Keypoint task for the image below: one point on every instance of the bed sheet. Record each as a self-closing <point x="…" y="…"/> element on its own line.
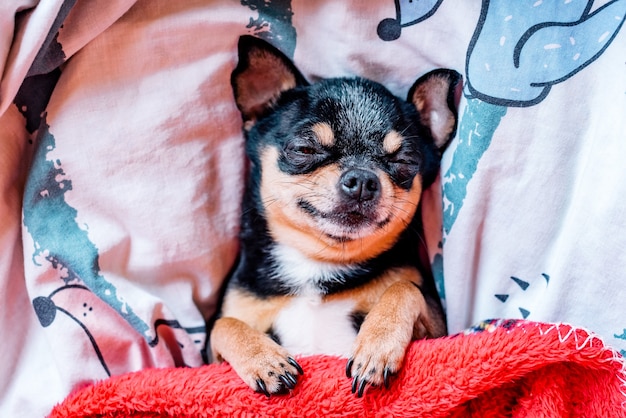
<point x="121" y="167"/>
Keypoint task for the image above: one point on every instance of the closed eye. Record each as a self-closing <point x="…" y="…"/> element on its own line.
<point x="403" y="161"/>
<point x="404" y="158"/>
<point x="301" y="155"/>
<point x="304" y="150"/>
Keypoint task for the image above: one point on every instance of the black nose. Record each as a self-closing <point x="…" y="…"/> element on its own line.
<point x="360" y="185"/>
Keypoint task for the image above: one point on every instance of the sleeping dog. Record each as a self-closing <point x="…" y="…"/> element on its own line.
<point x="330" y="229"/>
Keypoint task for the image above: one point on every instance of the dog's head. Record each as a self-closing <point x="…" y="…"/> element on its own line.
<point x="338" y="166"/>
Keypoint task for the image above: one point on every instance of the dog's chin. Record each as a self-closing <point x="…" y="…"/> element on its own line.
<point x="342" y="233"/>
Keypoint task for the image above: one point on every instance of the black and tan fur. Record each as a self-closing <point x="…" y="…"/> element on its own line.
<point x="330" y="227"/>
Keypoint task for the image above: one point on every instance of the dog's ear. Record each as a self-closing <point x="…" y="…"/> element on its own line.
<point x="436" y="96"/>
<point x="262" y="74"/>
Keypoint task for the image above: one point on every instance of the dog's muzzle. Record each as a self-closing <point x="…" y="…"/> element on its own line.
<point x="359" y="191"/>
<point x="356" y="203"/>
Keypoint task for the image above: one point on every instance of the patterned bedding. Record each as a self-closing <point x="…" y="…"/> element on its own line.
<point x="121" y="167"/>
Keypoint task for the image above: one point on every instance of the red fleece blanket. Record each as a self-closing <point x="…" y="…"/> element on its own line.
<point x="500" y="368"/>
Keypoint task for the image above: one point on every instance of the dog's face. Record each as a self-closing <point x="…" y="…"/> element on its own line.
<point x="339" y="165"/>
<point x="342" y="170"/>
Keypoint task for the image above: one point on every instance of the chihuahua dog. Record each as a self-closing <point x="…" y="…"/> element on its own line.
<point x="330" y="231"/>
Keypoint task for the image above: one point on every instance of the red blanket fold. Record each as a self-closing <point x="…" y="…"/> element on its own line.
<point x="502" y="368"/>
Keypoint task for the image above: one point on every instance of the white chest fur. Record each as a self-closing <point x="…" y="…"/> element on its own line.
<point x="309" y="326"/>
<point x="303" y="275"/>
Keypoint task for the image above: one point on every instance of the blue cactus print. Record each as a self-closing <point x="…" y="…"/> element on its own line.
<point x="529" y="46"/>
<point x="518" y="51"/>
<point x="476" y="129"/>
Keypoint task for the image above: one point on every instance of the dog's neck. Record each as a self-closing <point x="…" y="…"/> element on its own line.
<point x="305" y="276"/>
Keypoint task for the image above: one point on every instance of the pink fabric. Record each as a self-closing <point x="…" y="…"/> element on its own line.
<point x="121" y="168"/>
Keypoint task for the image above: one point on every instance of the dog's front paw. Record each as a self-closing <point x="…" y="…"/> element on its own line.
<point x="374" y="362"/>
<point x="385" y="334"/>
<point x="266" y="367"/>
<point x="261" y="363"/>
<point x="272" y="373"/>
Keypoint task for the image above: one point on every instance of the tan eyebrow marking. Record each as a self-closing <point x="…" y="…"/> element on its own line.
<point x="324" y="134"/>
<point x="392" y="142"/>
